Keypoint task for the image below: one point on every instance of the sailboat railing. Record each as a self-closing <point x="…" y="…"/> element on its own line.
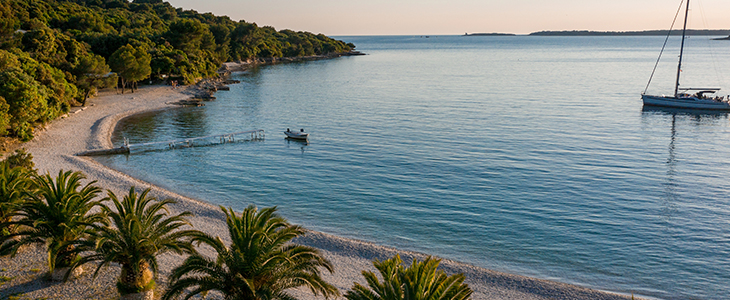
<point x="699" y="89"/>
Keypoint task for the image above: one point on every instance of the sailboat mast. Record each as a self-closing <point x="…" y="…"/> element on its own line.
<point x="681" y="50"/>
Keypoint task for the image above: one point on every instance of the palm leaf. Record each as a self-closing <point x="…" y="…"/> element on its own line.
<point x="58" y="212"/>
<point x="420" y="281"/>
<point x="260" y="263"/>
<point x="141" y="229"/>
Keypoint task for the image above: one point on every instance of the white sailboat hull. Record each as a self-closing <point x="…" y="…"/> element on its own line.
<point x="685" y="102"/>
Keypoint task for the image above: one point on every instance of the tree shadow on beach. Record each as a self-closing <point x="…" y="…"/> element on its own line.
<point x="26" y="283"/>
<point x="36" y="284"/>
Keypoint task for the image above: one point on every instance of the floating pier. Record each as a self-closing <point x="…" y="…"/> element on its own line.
<point x="235" y="137"/>
<point x="251" y="135"/>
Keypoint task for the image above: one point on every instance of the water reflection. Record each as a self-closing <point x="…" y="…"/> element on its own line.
<point x="189" y="123"/>
<point x="302" y="144"/>
<point x="698" y="118"/>
<point x="138" y="128"/>
<point x="696" y="114"/>
<point x="670" y="187"/>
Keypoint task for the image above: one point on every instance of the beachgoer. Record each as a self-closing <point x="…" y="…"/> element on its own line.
<point x="302" y="130"/>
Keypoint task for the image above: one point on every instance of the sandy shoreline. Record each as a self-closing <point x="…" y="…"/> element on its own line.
<point x="56" y="147"/>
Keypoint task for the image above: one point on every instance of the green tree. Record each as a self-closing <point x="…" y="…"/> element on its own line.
<point x="420" y="281"/>
<point x="41" y="42"/>
<point x="187" y="34"/>
<point x="260" y="264"/>
<point x="27" y="101"/>
<point x="34" y="92"/>
<point x="131" y="63"/>
<point x="58" y="213"/>
<point x="143" y="230"/>
<point x="92" y="73"/>
<point x="4" y="116"/>
<point x="22" y="159"/>
<point x="8" y="22"/>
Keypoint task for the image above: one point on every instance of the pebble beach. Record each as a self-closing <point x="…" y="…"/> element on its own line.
<point x="57" y="147"/>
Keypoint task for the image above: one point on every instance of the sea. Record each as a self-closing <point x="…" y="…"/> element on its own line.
<point x="524" y="154"/>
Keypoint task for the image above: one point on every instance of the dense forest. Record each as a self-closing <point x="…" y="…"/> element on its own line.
<point x="55" y="53"/>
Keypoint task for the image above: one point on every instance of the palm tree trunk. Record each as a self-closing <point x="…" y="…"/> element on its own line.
<point x="136" y="284"/>
<point x="60" y="262"/>
<point x="65" y="259"/>
<point x="59" y="273"/>
<point x="146" y="295"/>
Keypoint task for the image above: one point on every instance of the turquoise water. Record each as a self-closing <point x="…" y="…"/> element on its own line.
<point x="530" y="155"/>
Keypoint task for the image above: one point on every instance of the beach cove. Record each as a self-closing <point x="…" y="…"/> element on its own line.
<point x="56" y="147"/>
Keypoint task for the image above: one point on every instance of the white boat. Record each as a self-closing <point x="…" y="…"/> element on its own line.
<point x="300" y="135"/>
<point x="686" y="98"/>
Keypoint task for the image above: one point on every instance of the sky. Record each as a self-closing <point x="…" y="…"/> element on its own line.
<point x="441" y="17"/>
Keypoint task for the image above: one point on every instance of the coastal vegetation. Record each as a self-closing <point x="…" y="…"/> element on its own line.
<point x="55" y="54"/>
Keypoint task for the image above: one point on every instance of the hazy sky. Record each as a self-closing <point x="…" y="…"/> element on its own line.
<point x="420" y="17"/>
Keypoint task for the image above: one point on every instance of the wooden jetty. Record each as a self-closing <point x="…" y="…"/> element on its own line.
<point x="241" y="136"/>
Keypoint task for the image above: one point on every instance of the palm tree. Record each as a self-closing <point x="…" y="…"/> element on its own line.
<point x="14" y="183"/>
<point x="58" y="214"/>
<point x="260" y="264"/>
<point x="420" y="281"/>
<point x="143" y="229"/>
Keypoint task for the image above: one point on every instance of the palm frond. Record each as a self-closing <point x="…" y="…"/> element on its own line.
<point x="419" y="281"/>
<point x="260" y="262"/>
<point x="141" y="231"/>
<point x="60" y="212"/>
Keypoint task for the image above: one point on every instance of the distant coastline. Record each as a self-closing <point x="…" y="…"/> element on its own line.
<point x="489" y="34"/>
<point x="724" y="32"/>
<point x="700" y="32"/>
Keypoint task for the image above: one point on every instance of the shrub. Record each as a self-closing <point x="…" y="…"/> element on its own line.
<point x="22" y="159"/>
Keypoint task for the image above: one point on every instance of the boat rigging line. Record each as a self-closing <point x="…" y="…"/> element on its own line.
<point x="679" y="9"/>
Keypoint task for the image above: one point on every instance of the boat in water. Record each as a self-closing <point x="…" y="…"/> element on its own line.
<point x="686" y="98"/>
<point x="296" y="135"/>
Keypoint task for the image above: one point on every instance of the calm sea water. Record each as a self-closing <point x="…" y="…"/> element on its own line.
<point x="530" y="155"/>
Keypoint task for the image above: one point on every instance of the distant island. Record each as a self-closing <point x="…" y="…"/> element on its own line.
<point x="725" y="32"/>
<point x="489" y="34"/>
<point x="705" y="32"/>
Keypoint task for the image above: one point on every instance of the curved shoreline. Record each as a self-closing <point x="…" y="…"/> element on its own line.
<point x="56" y="148"/>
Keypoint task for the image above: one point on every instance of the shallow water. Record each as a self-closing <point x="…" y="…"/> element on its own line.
<point x="530" y="155"/>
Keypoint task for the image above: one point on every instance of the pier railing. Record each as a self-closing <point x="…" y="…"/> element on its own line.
<point x="241" y="136"/>
<point x="235" y="137"/>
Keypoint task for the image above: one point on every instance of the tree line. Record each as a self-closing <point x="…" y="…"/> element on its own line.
<point x="55" y="54"/>
<point x="80" y="227"/>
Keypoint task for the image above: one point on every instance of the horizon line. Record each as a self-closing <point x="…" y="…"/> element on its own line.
<point x="527" y="34"/>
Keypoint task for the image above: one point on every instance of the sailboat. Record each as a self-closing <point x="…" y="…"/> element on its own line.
<point x="686" y="98"/>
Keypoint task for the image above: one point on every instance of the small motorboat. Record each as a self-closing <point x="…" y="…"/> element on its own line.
<point x="300" y="135"/>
